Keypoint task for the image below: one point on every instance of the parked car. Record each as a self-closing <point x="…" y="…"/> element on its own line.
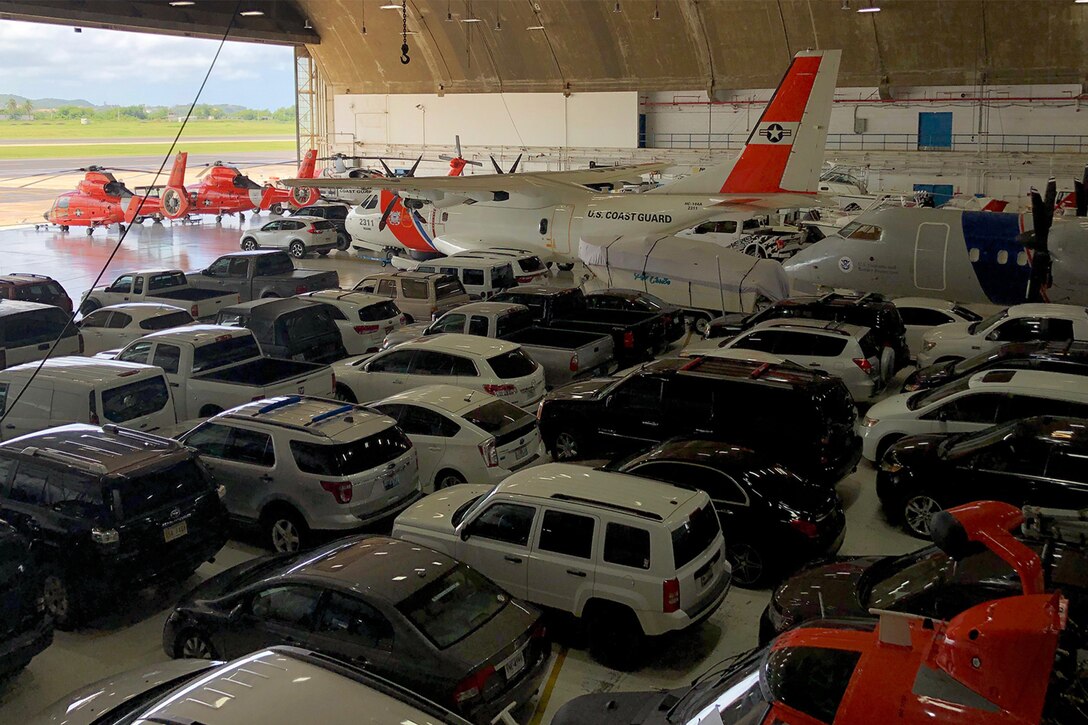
<point x="615" y="298"/>
<point x="34" y="288"/>
<point x="870" y="310"/>
<point x="108" y="328"/>
<point x="290" y="329"/>
<point x="211" y="368"/>
<point x="419" y="295"/>
<point x="850" y="353"/>
<point x="528" y="267"/>
<point x="29" y="330"/>
<point x="635" y="335"/>
<point x="365" y="320"/>
<point x="299" y="235"/>
<point x="971" y="404"/>
<point x="921" y="314"/>
<point x="25" y="630"/>
<point x="741" y="401"/>
<point x="1020" y="323"/>
<point x="62" y="390"/>
<point x="262" y="273"/>
<point x="496" y="367"/>
<point x="464" y="435"/>
<point x="1054" y="357"/>
<point x="926" y="582"/>
<point x="162" y="286"/>
<point x="294" y="466"/>
<point x="330" y="212"/>
<point x="564" y="354"/>
<point x="110" y="511"/>
<point x="443" y="631"/>
<point x="772" y="519"/>
<point x="482" y="275"/>
<point x="290" y="682"/>
<point x="1041" y="461"/>
<point x="629" y="571"/>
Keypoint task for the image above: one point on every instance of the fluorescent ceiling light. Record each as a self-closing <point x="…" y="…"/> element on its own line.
<point x="869" y="10"/>
<point x="471" y="20"/>
<point x="180" y="3"/>
<point x="390" y="7"/>
<point x="251" y="13"/>
<point x="535" y="27"/>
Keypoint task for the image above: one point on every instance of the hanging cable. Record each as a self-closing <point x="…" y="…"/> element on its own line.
<point x="71" y="320"/>
<point x="404" y="33"/>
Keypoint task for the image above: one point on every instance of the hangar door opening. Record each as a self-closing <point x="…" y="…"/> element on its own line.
<point x="930" y="256"/>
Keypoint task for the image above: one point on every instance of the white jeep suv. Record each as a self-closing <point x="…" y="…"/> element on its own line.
<point x="631" y="556"/>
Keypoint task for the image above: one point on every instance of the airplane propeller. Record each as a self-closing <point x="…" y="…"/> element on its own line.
<point x="513" y="167"/>
<point x="387" y="211"/>
<point x="1042" y="215"/>
<point x="459" y="158"/>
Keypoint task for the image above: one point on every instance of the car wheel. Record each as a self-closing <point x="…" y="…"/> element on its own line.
<point x="446" y="478"/>
<point x="249" y="244"/>
<point x="917" y="512"/>
<point x="615" y="636"/>
<point x="323" y="252"/>
<point x="60" y="601"/>
<point x="285" y="531"/>
<point x="565" y="266"/>
<point x="700" y="324"/>
<point x="343" y="241"/>
<point x="297" y="249"/>
<point x="344" y="393"/>
<point x="209" y="410"/>
<point x="194" y="645"/>
<point x="408" y="319"/>
<point x="882" y="447"/>
<point x="566" y="447"/>
<point x="749" y="564"/>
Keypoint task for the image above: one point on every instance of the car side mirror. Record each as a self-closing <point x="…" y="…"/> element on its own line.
<point x="208" y="272"/>
<point x="464" y="534"/>
<point x="942" y="415"/>
<point x="993" y="336"/>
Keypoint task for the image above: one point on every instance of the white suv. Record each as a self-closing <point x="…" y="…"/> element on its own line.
<point x="293" y="465"/>
<point x="464" y="435"/>
<point x="496" y="367"/>
<point x="632" y="556"/>
<point x="1020" y="323"/>
<point x="299" y="235"/>
<point x="365" y="318"/>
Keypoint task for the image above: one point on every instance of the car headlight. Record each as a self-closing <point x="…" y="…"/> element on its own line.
<point x="891" y="466"/>
<point x="928" y="345"/>
<point x="870" y="422"/>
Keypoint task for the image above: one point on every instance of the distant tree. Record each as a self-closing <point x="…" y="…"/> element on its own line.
<point x="286" y="114"/>
<point x="13" y="108"/>
<point x="159" y="114"/>
<point x="28" y="108"/>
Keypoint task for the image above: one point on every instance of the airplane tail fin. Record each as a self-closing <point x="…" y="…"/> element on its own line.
<point x="174" y="200"/>
<point x="785" y="150"/>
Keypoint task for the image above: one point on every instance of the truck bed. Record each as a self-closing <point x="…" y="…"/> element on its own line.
<point x="261" y="372"/>
<point x="553" y="337"/>
<point x="192" y="294"/>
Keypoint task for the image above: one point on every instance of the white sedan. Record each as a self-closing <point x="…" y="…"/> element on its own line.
<point x="365" y="319"/>
<point x="921" y="314"/>
<point x="496" y="367"/>
<point x="464" y="435"/>
<point x="299" y="235"/>
<point x="112" y="327"/>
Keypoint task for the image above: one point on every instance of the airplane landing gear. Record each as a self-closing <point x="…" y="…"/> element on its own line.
<point x="219" y="219"/>
<point x="90" y="231"/>
<point x="242" y="217"/>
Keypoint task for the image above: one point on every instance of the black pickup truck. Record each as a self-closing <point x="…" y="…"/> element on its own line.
<point x="636" y="335"/>
<point x="261" y="274"/>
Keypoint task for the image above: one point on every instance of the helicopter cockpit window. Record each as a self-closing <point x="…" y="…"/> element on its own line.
<point x="241" y="181"/>
<point x="864" y="232"/>
<point x="116" y="188"/>
<point x="372" y="202"/>
<point x="63" y="202"/>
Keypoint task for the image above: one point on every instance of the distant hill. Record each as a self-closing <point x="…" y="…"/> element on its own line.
<point x="46" y="102"/>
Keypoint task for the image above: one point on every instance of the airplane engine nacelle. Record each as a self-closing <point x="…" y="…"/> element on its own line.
<point x="175" y="202"/>
<point x="301" y="197"/>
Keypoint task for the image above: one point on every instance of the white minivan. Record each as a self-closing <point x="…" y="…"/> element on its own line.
<point x="82" y="390"/>
<point x="483" y="276"/>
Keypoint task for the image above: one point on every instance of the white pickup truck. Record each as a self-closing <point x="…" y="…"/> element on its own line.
<point x="211" y="368"/>
<point x="164" y="286"/>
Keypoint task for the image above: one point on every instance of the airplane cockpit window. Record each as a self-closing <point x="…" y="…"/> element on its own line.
<point x="864" y="232"/>
<point x="241" y="181"/>
<point x="372" y="202"/>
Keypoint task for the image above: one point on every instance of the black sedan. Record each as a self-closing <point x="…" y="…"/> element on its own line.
<point x="25" y="630"/>
<point x="1041" y="461"/>
<point x="1060" y="357"/>
<point x="404" y="611"/>
<point x="773" y="520"/>
<point x="925" y="582"/>
<point x="639" y="301"/>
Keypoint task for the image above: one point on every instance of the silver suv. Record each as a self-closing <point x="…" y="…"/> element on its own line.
<point x="296" y="464"/>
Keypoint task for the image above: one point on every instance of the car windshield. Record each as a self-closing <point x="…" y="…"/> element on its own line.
<point x="693" y="536"/>
<point x="379" y="311"/>
<point x="135" y="708"/>
<point x="974" y="363"/>
<point x="735" y="690"/>
<point x="497" y="417"/>
<point x="968" y="443"/>
<point x="513" y="364"/>
<point x="812" y="680"/>
<point x="225" y="352"/>
<point x="966" y="313"/>
<point x="155" y="489"/>
<point x="453" y="606"/>
<point x="895" y="580"/>
<point x="929" y="397"/>
<point x="463" y="509"/>
<point x="988" y="322"/>
<point x="134" y="400"/>
<point x="348" y="459"/>
<point x="530" y="264"/>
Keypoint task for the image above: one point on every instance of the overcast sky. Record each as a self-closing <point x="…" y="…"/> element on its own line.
<point x="110" y="66"/>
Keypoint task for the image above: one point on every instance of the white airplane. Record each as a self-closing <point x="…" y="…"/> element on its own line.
<point x="967" y="256"/>
<point x="552" y="212"/>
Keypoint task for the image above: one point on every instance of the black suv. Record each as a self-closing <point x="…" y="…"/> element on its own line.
<point x="107" y="509"/>
<point x="24" y="629"/>
<point x="1056" y="357"/>
<point x="291" y="329"/>
<point x="335" y="213"/>
<point x="757" y="405"/>
<point x="872" y="310"/>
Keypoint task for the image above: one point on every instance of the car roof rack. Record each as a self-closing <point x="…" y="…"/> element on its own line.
<point x="114" y="429"/>
<point x="604" y="504"/>
<point x="277" y="404"/>
<point x="1062" y="525"/>
<point x="341" y="410"/>
<point x="70" y="459"/>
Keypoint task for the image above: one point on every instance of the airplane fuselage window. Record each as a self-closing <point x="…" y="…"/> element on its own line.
<point x="1022" y="259"/>
<point x="974" y="254"/>
<point x="1003" y="257"/>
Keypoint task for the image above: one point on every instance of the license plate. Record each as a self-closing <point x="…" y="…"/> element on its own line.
<point x="521" y="452"/>
<point x="514" y="665"/>
<point x="706" y="577"/>
<point x="175" y="531"/>
<point x="391" y="482"/>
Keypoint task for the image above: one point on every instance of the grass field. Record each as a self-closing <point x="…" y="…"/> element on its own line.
<point x="132" y="128"/>
<point x="91" y="151"/>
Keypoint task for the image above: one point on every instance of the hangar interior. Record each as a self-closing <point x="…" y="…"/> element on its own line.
<point x="976" y="103"/>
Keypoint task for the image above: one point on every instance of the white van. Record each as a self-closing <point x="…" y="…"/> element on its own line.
<point x="481" y="275"/>
<point x="29" y="329"/>
<point x="81" y="390"/>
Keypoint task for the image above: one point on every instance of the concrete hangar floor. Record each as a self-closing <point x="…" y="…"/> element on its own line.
<point x="130" y="637"/>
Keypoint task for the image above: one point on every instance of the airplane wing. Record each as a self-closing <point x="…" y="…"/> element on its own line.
<point x="759" y="203"/>
<point x="489" y="187"/>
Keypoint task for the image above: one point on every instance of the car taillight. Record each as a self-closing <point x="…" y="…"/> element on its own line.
<point x="539" y="631"/>
<point x="668" y="320"/>
<point x="364" y="329"/>
<point x="629" y="340"/>
<point x="312" y="229"/>
<point x="403" y="320"/>
<point x="574" y="362"/>
<point x="540" y="410"/>
<point x="301" y="289"/>
<point x="194" y="311"/>
<point x="105" y="537"/>
<point x="524" y="280"/>
<point x="80" y="336"/>
<point x="500" y="390"/>
<point x="489" y="452"/>
<point x="864" y="364"/>
<point x="342" y="490"/>
<point x="807" y="528"/>
<point x="473" y="685"/>
<point x="670" y="595"/>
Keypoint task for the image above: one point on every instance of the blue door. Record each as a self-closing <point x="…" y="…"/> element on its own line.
<point x="941" y="193"/>
<point x="934" y="131"/>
